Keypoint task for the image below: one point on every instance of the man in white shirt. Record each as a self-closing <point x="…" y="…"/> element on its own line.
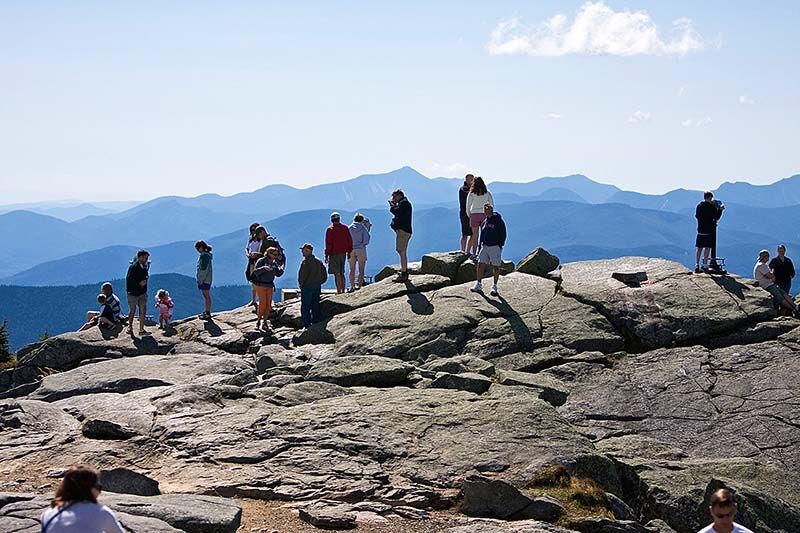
<point x="766" y="280"/>
<point x="723" y="508"/>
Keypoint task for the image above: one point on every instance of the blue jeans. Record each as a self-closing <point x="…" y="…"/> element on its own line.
<point x="785" y="285"/>
<point x="309" y="304"/>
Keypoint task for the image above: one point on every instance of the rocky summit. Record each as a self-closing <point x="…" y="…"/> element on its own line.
<point x="605" y="396"/>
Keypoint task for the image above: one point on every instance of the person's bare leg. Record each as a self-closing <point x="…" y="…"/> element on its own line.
<point x="352" y="271"/>
<point x="403" y="261"/>
<point x="131" y="316"/>
<point x="142" y="313"/>
<point x="697" y="256"/>
<point x="473" y="241"/>
<point x="788" y="303"/>
<point x="362" y="265"/>
<point x="464" y="243"/>
<point x="207" y="298"/>
<point x="706" y="253"/>
<point x="496" y="275"/>
<point x="481" y="270"/>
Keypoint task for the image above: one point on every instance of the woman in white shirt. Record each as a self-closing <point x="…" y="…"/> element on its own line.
<point x="477" y="198"/>
<point x="75" y="509"/>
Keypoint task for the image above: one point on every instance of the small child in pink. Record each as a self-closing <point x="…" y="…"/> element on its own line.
<point x="164" y="305"/>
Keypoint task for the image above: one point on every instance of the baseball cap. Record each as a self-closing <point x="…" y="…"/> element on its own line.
<point x="335" y="214"/>
<point x="307" y="245"/>
<point x="762" y="252"/>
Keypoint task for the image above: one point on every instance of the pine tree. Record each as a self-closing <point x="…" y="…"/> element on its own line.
<point x="5" y="351"/>
<point x="44" y="336"/>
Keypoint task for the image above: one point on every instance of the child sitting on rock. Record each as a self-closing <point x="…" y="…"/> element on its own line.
<point x="105" y="319"/>
<point x="164" y="305"/>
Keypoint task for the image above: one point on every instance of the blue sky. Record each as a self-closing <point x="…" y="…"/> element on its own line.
<point x="132" y="100"/>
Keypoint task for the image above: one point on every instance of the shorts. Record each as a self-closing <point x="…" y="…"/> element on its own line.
<point x="137" y="301"/>
<point x="704" y="240"/>
<point x="401" y="241"/>
<point x="476" y="219"/>
<point x="466" y="229"/>
<point x="490" y="255"/>
<point x="358" y="256"/>
<point x="204" y="286"/>
<point x="336" y="263"/>
<point x="777" y="293"/>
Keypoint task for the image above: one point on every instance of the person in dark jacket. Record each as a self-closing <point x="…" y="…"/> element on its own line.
<point x="264" y="274"/>
<point x="463" y="192"/>
<point x="401" y="211"/>
<point x="338" y="246"/>
<point x="707" y="213"/>
<point x="136" y="287"/>
<point x="783" y="269"/>
<point x="310" y="278"/>
<point x="493" y="238"/>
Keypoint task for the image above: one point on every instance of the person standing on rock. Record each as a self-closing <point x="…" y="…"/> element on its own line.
<point x="402" y="211"/>
<point x="268" y="241"/>
<point x="707" y="213"/>
<point x="766" y="280"/>
<point x="264" y="274"/>
<point x="477" y="198"/>
<point x="783" y="269"/>
<point x="359" y="233"/>
<point x="722" y="507"/>
<point x="251" y="251"/>
<point x="493" y="238"/>
<point x="136" y="287"/>
<point x="204" y="276"/>
<point x="74" y="508"/>
<point x="338" y="247"/>
<point x="466" y="229"/>
<point x="310" y="278"/>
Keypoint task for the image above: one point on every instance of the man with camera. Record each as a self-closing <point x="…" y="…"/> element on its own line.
<point x="707" y="213"/>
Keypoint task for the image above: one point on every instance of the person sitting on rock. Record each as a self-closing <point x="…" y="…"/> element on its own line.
<point x="766" y="280"/>
<point x="723" y="509"/>
<point x="111" y="301"/>
<point x="493" y="238"/>
<point x="104" y="319"/>
<point x="75" y="509"/>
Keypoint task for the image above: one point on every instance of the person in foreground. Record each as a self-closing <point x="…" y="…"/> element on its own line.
<point x="766" y="280"/>
<point x="75" y="509"/>
<point x="264" y="274"/>
<point x="204" y="276"/>
<point x="493" y="238"/>
<point x="310" y="278"/>
<point x="723" y="509"/>
<point x="401" y="211"/>
<point x="136" y="287"/>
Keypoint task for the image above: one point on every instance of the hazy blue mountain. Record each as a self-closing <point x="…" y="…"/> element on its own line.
<point x="587" y="189"/>
<point x="677" y="201"/>
<point x="69" y="210"/>
<point x="30" y="311"/>
<point x="779" y="194"/>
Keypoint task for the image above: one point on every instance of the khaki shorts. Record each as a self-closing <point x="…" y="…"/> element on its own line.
<point x="358" y="256"/>
<point x="401" y="242"/>
<point x="137" y="301"/>
<point x="336" y="263"/>
<point x="491" y="255"/>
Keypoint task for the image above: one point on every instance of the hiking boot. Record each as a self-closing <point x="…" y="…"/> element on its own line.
<point x="351" y="290"/>
<point x="697" y="269"/>
<point x="401" y="277"/>
<point x="494" y="291"/>
<point x="477" y="287"/>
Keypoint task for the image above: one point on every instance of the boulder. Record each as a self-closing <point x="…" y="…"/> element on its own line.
<point x="538" y="263"/>
<point x="468" y="381"/>
<point x="126" y="481"/>
<point x="308" y="392"/>
<point x="414" y="267"/>
<point x="495" y="498"/>
<point x="282" y="380"/>
<point x="105" y="430"/>
<point x="658" y="526"/>
<point x="189" y="512"/>
<point x="443" y="264"/>
<point x="366" y="371"/>
<point x="468" y="272"/>
<point x="550" y="389"/>
<point x="328" y="515"/>
<point x="459" y="365"/>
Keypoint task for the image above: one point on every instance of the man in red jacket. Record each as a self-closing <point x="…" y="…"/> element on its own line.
<point x="338" y="245"/>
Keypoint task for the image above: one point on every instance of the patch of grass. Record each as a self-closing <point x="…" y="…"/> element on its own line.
<point x="581" y="497"/>
<point x="10" y="363"/>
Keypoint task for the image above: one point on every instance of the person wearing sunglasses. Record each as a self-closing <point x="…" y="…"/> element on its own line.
<point x="75" y="509"/>
<point x="723" y="509"/>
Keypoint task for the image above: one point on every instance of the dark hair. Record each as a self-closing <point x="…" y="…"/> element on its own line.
<point x="253" y="228"/>
<point x="358" y="218"/>
<point x="258" y="230"/>
<point x="707" y="195"/>
<point x="142" y="253"/>
<point x="77" y="486"/>
<point x="722" y="498"/>
<point x="479" y="187"/>
<point x="101" y="298"/>
<point x="203" y="244"/>
<point x="398" y="192"/>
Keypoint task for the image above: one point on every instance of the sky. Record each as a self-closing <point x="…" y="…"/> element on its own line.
<point x="133" y="100"/>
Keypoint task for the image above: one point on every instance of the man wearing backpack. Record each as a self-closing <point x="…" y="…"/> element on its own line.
<point x="338" y="246"/>
<point x="359" y="232"/>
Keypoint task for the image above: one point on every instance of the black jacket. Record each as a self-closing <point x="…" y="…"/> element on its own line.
<point x="136" y="274"/>
<point x="707" y="215"/>
<point x="783" y="270"/>
<point x="463" y="192"/>
<point x="401" y="215"/>
<point x="493" y="231"/>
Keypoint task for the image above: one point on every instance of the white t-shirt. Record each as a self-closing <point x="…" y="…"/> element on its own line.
<point x="81" y="517"/>
<point x="476" y="203"/>
<point x="760" y="274"/>
<point x="736" y="529"/>
<point x="253" y="246"/>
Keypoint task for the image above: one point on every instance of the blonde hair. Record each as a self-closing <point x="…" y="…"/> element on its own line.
<point x="162" y="294"/>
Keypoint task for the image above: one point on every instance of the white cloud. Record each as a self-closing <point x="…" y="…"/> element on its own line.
<point x="746" y="100"/>
<point x="682" y="91"/>
<point x="554" y="116"/>
<point x="696" y="122"/>
<point x="639" y="116"/>
<point x="449" y="169"/>
<point x="596" y="30"/>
